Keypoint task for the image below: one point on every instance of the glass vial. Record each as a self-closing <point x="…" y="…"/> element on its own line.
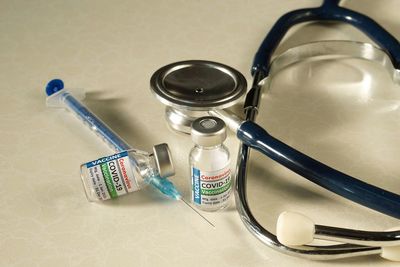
<point x="125" y="172"/>
<point x="209" y="163"/>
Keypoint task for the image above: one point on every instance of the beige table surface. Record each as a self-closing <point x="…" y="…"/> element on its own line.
<point x="111" y="48"/>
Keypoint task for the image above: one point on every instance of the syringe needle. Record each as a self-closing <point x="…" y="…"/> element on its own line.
<point x="187" y="204"/>
<point x="167" y="188"/>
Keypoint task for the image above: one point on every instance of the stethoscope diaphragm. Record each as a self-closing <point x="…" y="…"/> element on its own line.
<point x="191" y="88"/>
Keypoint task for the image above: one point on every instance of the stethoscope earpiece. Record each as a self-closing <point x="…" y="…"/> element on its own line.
<point x="294" y="229"/>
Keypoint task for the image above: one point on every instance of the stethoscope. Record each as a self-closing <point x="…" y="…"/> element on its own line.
<point x="191" y="89"/>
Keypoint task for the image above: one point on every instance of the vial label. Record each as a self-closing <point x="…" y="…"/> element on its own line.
<point x="211" y="188"/>
<point x="111" y="176"/>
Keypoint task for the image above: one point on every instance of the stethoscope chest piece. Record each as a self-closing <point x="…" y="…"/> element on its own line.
<point x="191" y="88"/>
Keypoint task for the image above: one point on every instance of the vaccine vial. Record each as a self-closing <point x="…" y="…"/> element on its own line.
<point x="125" y="172"/>
<point x="209" y="163"/>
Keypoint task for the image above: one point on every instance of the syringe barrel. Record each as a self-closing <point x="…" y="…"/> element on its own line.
<point x="93" y="122"/>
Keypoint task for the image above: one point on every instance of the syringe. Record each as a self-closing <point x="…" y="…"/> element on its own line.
<point x="60" y="97"/>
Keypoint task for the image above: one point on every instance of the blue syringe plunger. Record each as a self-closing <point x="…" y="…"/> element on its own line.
<point x="54" y="86"/>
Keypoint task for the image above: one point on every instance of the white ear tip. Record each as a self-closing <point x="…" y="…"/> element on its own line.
<point x="294" y="229"/>
<point x="391" y="253"/>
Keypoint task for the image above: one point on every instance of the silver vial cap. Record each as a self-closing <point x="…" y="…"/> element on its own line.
<point x="163" y="160"/>
<point x="208" y="131"/>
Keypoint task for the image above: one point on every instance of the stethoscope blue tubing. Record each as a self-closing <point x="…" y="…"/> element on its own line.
<point x="338" y="251"/>
<point x="256" y="137"/>
<point x="319" y="173"/>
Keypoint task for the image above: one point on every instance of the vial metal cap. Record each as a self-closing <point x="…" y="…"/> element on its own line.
<point x="163" y="160"/>
<point x="208" y="131"/>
